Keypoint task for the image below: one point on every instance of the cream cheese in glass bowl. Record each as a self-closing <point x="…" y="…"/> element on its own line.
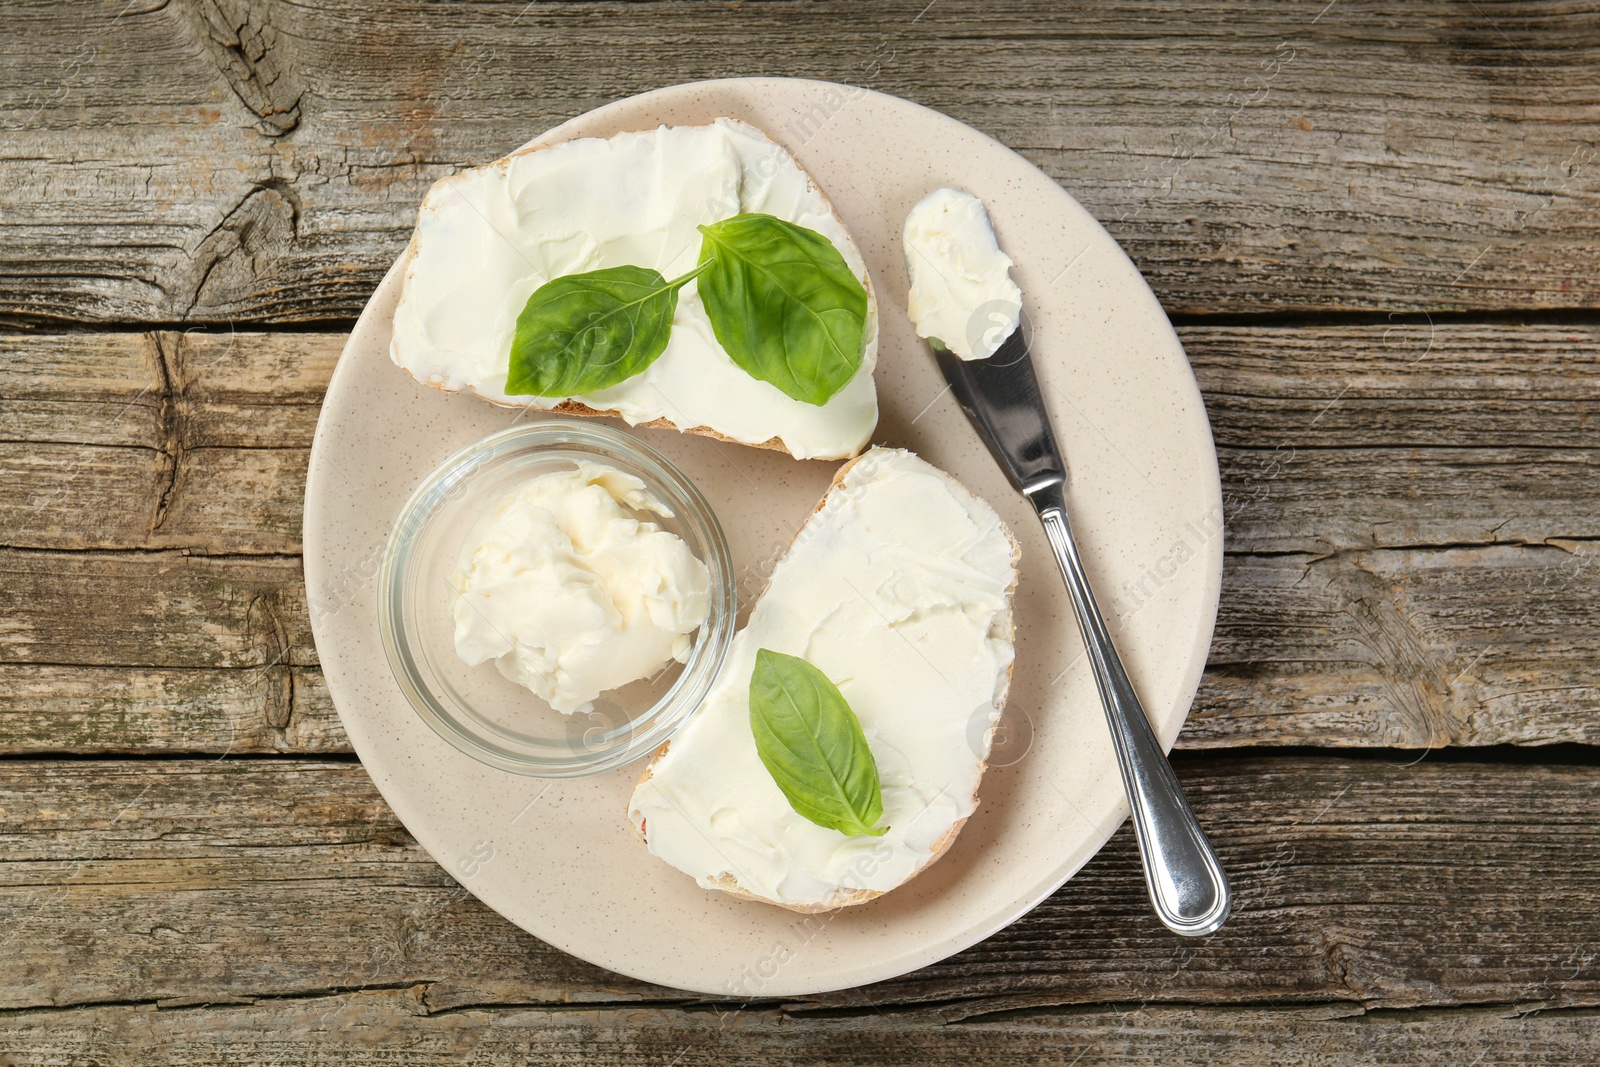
<point x="556" y="599"/>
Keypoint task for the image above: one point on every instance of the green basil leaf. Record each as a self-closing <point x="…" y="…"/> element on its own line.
<point x="783" y="304"/>
<point x="584" y="332"/>
<point x="812" y="745"/>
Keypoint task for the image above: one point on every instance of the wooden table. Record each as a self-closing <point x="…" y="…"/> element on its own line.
<point x="1377" y="229"/>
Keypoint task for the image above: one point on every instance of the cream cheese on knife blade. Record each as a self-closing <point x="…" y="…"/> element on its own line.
<point x="488" y="237"/>
<point x="898" y="589"/>
<point x="962" y="294"/>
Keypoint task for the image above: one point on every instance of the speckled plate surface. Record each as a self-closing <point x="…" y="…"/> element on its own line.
<point x="560" y="859"/>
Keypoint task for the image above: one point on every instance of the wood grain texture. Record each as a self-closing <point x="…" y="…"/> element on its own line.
<point x="1412" y="648"/>
<point x="381" y="1026"/>
<point x="154" y="609"/>
<point x="1411" y="527"/>
<point x="1404" y="648"/>
<point x="1403" y="434"/>
<point x="1328" y="437"/>
<point x="141" y="710"/>
<point x="1365" y="882"/>
<point x="224" y="162"/>
<point x="1404" y="382"/>
<point x="164" y="390"/>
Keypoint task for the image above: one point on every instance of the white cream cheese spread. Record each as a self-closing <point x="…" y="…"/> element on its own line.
<point x="570" y="593"/>
<point x="488" y="237"/>
<point x="961" y="289"/>
<point x="898" y="589"/>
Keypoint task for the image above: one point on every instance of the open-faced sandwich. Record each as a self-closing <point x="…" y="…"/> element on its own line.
<point x="840" y="751"/>
<point x="693" y="277"/>
<point x="687" y="276"/>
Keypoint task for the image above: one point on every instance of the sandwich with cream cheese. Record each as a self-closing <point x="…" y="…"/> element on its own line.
<point x="487" y="239"/>
<point x="898" y="589"/>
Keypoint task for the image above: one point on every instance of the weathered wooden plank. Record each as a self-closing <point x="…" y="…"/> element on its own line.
<point x="153" y="609"/>
<point x="1394" y="384"/>
<point x="223" y="162"/>
<point x="1401" y="383"/>
<point x="377" y="1027"/>
<point x="92" y="389"/>
<point x="1407" y="648"/>
<point x="139" y="710"/>
<point x="1415" y="648"/>
<point x="1357" y="436"/>
<point x="1403" y="434"/>
<point x="1320" y="433"/>
<point x="165" y="390"/>
<point x="160" y="440"/>
<point x="1362" y="882"/>
<point x="248" y="501"/>
<point x="1287" y="499"/>
<point x="1317" y="500"/>
<point x="213" y="500"/>
<point x="239" y="390"/>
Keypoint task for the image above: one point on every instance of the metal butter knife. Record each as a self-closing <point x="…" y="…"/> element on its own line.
<point x="1001" y="397"/>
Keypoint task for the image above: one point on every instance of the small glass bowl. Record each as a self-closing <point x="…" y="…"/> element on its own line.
<point x="477" y="709"/>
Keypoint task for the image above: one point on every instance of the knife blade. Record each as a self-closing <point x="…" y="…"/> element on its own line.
<point x="1001" y="397"/>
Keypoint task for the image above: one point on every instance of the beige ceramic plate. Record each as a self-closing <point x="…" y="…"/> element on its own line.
<point x="560" y="859"/>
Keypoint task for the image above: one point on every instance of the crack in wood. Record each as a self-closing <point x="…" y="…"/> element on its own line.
<point x="170" y="385"/>
<point x="1427" y="708"/>
<point x="265" y="624"/>
<point x="248" y="51"/>
<point x="238" y="254"/>
<point x="980" y="1011"/>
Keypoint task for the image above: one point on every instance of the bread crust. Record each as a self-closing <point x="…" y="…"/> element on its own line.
<point x="845" y="898"/>
<point x="584" y="411"/>
<point x="581" y="410"/>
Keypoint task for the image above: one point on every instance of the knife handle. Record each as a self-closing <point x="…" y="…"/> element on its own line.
<point x="1187" y="885"/>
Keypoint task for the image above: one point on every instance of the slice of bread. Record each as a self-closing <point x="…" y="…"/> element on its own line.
<point x="898" y="587"/>
<point x="486" y="238"/>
